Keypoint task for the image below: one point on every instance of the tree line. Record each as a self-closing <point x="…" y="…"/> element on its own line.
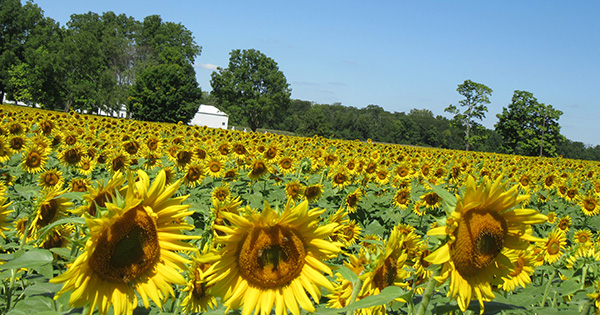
<point x="247" y="91"/>
<point x="98" y="63"/>
<point x="518" y="130"/>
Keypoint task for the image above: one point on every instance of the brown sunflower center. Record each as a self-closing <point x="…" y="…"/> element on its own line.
<point x="432" y="199"/>
<point x="70" y="140"/>
<point x="127" y="249"/>
<point x="385" y="275"/>
<point x="258" y="168"/>
<point x="47" y="212"/>
<point x="589" y="205"/>
<point x="518" y="267"/>
<point x="402" y="197"/>
<point x="339" y="178"/>
<point x="553" y="246"/>
<point x="403" y="172"/>
<point x="184" y="157"/>
<point x="215" y="167"/>
<point x="51" y="179"/>
<point x="193" y="174"/>
<point x="271" y="256"/>
<point x="479" y="239"/>
<point x="583" y="238"/>
<point x="118" y="163"/>
<point x="286" y="163"/>
<point x="563" y="224"/>
<point x="33" y="160"/>
<point x="352" y="200"/>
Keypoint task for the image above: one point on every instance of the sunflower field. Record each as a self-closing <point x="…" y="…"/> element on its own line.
<point x="116" y="216"/>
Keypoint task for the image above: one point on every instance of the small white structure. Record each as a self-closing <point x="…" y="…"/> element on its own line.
<point x="122" y="113"/>
<point x="210" y="116"/>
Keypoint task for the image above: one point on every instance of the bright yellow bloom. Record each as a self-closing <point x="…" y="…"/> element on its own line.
<point x="273" y="260"/>
<point x="131" y="249"/>
<point x="481" y="226"/>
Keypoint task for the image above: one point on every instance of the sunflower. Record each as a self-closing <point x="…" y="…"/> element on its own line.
<point x="119" y="161"/>
<point x="313" y="192"/>
<point x="35" y="158"/>
<point x="564" y="223"/>
<point x="86" y="166"/>
<point x="51" y="209"/>
<point x="221" y="193"/>
<point x="388" y="268"/>
<point x="286" y="164"/>
<point x="481" y="226"/>
<point x="551" y="217"/>
<point x="4" y="213"/>
<point x="339" y="178"/>
<point x="258" y="169"/>
<point x="17" y="142"/>
<point x="153" y="143"/>
<point x="5" y="150"/>
<point x="98" y="194"/>
<point x="523" y="267"/>
<point x="78" y="184"/>
<point x="293" y="190"/>
<point x="227" y="205"/>
<point x="131" y="249"/>
<point x="194" y="173"/>
<point x="52" y="178"/>
<point x="271" y="260"/>
<point x="589" y="205"/>
<point x="71" y="156"/>
<point x="198" y="299"/>
<point x="353" y="199"/>
<point x="215" y="167"/>
<point x="401" y="198"/>
<point x="58" y="236"/>
<point x="583" y="237"/>
<point x="431" y="200"/>
<point x="239" y="150"/>
<point x="555" y="246"/>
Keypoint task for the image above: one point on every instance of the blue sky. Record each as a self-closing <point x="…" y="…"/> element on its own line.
<point x="400" y="54"/>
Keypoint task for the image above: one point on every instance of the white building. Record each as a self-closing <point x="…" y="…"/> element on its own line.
<point x="122" y="113"/>
<point x="210" y="116"/>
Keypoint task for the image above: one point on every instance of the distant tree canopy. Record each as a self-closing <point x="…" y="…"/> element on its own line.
<point x="252" y="89"/>
<point x="528" y="127"/>
<point x="93" y="62"/>
<point x="419" y="127"/>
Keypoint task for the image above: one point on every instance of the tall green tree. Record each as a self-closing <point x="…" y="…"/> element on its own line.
<point x="16" y="24"/>
<point x="167" y="92"/>
<point x="252" y="89"/>
<point x="528" y="127"/>
<point x="476" y="96"/>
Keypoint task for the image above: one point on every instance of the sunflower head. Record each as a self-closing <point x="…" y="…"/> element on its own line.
<point x="482" y="226"/>
<point x="271" y="259"/>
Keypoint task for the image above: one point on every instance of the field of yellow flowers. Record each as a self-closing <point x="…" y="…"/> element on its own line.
<point x="105" y="215"/>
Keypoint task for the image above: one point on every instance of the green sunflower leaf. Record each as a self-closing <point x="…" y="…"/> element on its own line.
<point x="30" y="259"/>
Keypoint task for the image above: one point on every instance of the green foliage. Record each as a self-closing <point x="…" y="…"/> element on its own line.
<point x="17" y="23"/>
<point x="528" y="127"/>
<point x="251" y="90"/>
<point x="166" y="92"/>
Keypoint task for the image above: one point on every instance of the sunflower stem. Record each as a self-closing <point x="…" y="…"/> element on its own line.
<point x="587" y="307"/>
<point x="429" y="290"/>
<point x="13" y="271"/>
<point x="548" y="286"/>
<point x="583" y="275"/>
<point x="355" y="291"/>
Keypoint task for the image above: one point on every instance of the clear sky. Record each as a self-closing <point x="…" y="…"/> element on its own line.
<point x="400" y="54"/>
